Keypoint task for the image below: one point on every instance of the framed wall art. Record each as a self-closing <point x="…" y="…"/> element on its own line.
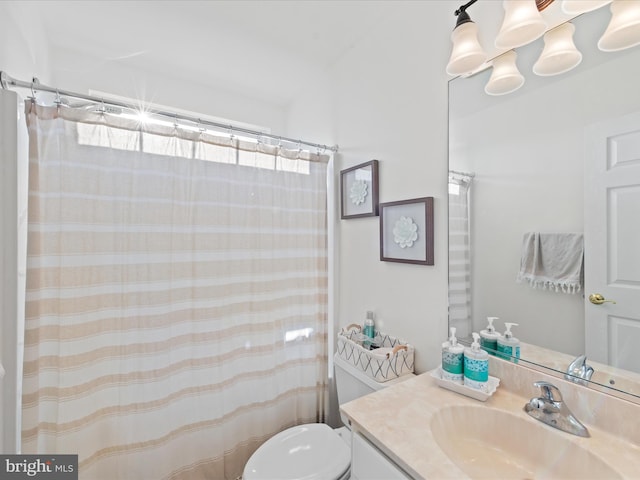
<point x="359" y="190"/>
<point x="406" y="231"/>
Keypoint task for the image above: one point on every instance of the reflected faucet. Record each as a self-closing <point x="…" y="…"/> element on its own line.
<point x="551" y="410"/>
<point x="578" y="371"/>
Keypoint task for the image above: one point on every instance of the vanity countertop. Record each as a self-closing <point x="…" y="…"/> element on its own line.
<point x="397" y="420"/>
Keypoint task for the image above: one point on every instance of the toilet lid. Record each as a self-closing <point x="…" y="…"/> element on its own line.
<point x="310" y="452"/>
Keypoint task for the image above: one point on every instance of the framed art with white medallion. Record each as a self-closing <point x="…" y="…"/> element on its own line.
<point x="406" y="231"/>
<point x="359" y="190"/>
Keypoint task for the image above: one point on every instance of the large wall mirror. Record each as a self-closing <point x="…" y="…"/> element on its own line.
<point x="526" y="153"/>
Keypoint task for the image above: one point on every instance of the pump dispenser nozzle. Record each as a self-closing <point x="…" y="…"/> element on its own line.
<point x="475" y="346"/>
<point x="490" y="327"/>
<point x="507" y="332"/>
<point x="452" y="339"/>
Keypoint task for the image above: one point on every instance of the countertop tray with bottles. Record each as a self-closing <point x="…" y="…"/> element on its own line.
<point x="492" y="385"/>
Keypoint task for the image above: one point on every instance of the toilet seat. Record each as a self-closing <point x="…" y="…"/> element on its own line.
<point x="305" y="452"/>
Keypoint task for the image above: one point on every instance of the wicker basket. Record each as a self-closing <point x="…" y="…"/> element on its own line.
<point x="392" y="359"/>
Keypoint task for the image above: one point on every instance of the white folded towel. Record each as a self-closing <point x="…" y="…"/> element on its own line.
<point x="552" y="260"/>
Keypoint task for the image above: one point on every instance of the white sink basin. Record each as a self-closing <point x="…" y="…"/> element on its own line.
<point x="489" y="443"/>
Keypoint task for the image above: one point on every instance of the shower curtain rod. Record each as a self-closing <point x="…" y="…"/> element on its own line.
<point x="6" y="81"/>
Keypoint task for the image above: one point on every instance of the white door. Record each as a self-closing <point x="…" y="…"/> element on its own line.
<point x="612" y="241"/>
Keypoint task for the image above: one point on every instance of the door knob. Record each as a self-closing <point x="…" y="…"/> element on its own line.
<point x="598" y="299"/>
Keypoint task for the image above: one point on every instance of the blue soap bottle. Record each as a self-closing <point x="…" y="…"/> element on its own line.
<point x="452" y="359"/>
<point x="476" y="365"/>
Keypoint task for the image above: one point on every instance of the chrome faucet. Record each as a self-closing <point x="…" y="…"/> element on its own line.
<point x="551" y="410"/>
<point x="579" y="372"/>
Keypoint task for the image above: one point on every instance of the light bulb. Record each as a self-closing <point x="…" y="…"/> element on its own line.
<point x="522" y="24"/>
<point x="505" y="76"/>
<point x="624" y="28"/>
<point x="560" y="53"/>
<point x="467" y="54"/>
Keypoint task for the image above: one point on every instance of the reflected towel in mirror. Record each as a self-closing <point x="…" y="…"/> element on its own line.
<point x="553" y="261"/>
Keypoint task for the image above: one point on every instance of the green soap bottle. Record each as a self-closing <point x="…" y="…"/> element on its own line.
<point x="476" y="365"/>
<point x="489" y="337"/>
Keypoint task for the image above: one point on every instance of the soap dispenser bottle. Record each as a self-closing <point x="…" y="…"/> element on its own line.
<point x="369" y="330"/>
<point x="489" y="337"/>
<point x="476" y="365"/>
<point x="452" y="359"/>
<point x="508" y="345"/>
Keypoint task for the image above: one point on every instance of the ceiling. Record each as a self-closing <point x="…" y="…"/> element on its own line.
<point x="219" y="43"/>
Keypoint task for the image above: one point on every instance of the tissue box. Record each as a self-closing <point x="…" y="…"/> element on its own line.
<point x="392" y="359"/>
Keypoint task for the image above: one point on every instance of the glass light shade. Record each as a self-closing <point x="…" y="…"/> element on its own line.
<point x="560" y="53"/>
<point x="578" y="7"/>
<point x="467" y="53"/>
<point x="624" y="28"/>
<point x="522" y="24"/>
<point x="505" y="76"/>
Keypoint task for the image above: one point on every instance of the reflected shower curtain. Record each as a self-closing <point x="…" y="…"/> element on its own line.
<point x="176" y="308"/>
<point x="459" y="254"/>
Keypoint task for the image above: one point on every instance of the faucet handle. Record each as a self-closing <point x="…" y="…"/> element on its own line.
<point x="549" y="391"/>
<point x="579" y="371"/>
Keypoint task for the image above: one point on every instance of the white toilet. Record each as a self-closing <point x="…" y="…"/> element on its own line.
<point x="314" y="451"/>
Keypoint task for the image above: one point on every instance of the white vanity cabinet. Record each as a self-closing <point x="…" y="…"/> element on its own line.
<point x="369" y="463"/>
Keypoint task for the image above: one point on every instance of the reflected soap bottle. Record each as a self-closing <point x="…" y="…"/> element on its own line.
<point x="508" y="345"/>
<point x="452" y="359"/>
<point x="489" y="337"/>
<point x="476" y="365"/>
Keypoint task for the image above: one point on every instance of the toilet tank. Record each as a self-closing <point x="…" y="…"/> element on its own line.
<point x="352" y="383"/>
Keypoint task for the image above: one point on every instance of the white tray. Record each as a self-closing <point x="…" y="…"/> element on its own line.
<point x="492" y="385"/>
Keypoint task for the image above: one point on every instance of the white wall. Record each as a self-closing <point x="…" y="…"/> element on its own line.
<point x="26" y="52"/>
<point x="387" y="100"/>
<point x="79" y="72"/>
<point x="23" y="49"/>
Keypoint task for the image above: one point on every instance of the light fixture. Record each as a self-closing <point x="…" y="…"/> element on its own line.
<point x="624" y="28"/>
<point x="505" y="76"/>
<point x="467" y="54"/>
<point x="578" y="7"/>
<point x="560" y="53"/>
<point x="522" y="24"/>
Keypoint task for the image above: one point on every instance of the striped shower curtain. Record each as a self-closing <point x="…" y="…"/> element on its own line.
<point x="176" y="304"/>
<point x="460" y="255"/>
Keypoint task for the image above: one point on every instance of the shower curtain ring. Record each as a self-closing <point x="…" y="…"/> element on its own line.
<point x="34" y="82"/>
